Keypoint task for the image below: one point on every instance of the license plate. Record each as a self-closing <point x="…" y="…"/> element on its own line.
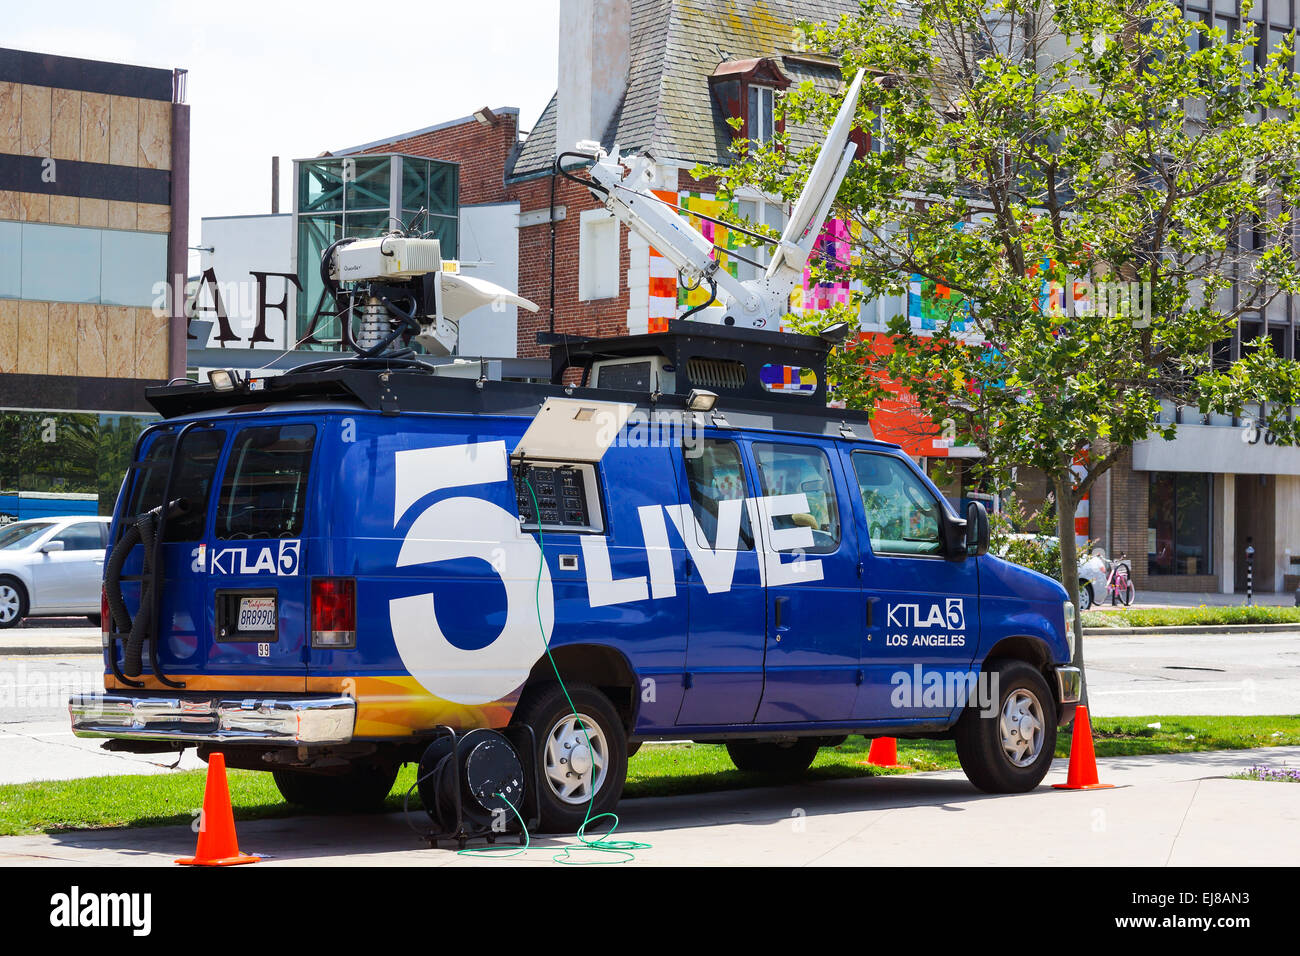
<point x="256" y="614"/>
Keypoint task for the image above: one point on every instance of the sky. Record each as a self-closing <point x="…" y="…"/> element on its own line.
<point x="295" y="79"/>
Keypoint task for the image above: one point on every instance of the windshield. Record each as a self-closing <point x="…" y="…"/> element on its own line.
<point x="22" y="534"/>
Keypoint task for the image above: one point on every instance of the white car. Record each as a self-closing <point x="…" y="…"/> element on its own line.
<point x="1092" y="569"/>
<point x="52" y="567"/>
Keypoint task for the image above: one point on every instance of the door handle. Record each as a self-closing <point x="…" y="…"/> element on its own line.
<point x="871" y="611"/>
<point x="779" y="605"/>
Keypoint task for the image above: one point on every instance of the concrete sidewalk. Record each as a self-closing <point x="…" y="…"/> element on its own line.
<point x="44" y="639"/>
<point x="1164" y="811"/>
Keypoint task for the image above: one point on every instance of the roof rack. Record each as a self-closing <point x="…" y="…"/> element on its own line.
<point x="393" y="387"/>
<point x="769" y="366"/>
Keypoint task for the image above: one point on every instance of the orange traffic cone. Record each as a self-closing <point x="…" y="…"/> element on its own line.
<point x="217" y="843"/>
<point x="1083" y="761"/>
<point x="884" y="752"/>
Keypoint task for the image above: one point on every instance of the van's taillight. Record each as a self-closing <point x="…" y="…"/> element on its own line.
<point x="105" y="621"/>
<point x="333" y="612"/>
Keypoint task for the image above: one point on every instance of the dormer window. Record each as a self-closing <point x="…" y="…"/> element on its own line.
<point x="744" y="93"/>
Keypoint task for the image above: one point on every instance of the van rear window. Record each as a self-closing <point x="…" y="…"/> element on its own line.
<point x="194" y="477"/>
<point x="264" y="491"/>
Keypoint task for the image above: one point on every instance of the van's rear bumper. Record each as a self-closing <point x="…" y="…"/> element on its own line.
<point x="204" y="718"/>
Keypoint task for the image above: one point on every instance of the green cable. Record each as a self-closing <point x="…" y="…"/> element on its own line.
<point x="601" y="844"/>
<point x="502" y="852"/>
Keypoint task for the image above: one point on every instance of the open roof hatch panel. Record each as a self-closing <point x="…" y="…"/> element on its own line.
<point x="569" y="429"/>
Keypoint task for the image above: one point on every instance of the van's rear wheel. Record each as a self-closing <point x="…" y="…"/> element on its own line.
<point x="786" y="759"/>
<point x="361" y="789"/>
<point x="581" y="760"/>
<point x="1010" y="749"/>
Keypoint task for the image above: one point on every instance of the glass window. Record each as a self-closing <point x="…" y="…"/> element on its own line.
<point x="366" y="183"/>
<point x="1179" y="524"/>
<point x="902" y="515"/>
<point x="757" y="212"/>
<point x="129" y="265"/>
<point x="718" y="488"/>
<point x="82" y="536"/>
<point x="11" y="260"/>
<point x="194" y="476"/>
<point x="761" y="121"/>
<point x="62" y="264"/>
<point x="22" y="534"/>
<point x="320" y="186"/>
<point x="264" y="492"/>
<point x="801" y="469"/>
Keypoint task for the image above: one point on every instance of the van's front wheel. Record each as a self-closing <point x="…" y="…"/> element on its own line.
<point x="361" y="789"/>
<point x="1008" y="749"/>
<point x="581" y="759"/>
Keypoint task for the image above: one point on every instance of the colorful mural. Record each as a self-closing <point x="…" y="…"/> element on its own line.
<point x="721" y="236"/>
<point x="834" y="245"/>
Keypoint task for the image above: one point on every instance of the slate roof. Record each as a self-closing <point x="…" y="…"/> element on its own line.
<point x="675" y="46"/>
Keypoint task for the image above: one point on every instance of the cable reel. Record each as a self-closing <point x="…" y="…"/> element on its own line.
<point x="468" y="785"/>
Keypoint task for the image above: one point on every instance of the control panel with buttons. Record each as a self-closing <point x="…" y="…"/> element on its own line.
<point x="566" y="496"/>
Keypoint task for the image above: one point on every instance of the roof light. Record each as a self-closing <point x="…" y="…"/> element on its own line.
<point x="701" y="400"/>
<point x="223" y="379"/>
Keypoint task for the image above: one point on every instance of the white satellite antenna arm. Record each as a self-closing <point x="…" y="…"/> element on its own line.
<point x="629" y="199"/>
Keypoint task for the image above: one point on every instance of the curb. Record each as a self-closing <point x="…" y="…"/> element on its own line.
<point x="31" y="649"/>
<point x="1293" y="627"/>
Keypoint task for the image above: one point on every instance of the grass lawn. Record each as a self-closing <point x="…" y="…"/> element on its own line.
<point x="164" y="799"/>
<point x="1183" y="616"/>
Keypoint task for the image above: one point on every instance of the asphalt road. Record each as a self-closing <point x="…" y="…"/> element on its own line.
<point x="1129" y="676"/>
<point x="1194" y="674"/>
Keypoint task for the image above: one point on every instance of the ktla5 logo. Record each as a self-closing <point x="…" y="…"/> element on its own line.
<point x="282" y="560"/>
<point x="951" y="614"/>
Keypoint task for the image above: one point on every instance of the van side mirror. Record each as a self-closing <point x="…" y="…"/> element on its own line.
<point x="49" y="547"/>
<point x="977" y="529"/>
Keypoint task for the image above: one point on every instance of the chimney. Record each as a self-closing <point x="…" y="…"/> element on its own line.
<point x="595" y="38"/>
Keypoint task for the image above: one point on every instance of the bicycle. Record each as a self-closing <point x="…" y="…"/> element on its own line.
<point x="1119" y="582"/>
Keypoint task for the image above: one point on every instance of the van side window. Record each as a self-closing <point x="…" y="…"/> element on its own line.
<point x="264" y="491"/>
<point x="195" y="475"/>
<point x="717" y="476"/>
<point x="802" y="469"/>
<point x="902" y="514"/>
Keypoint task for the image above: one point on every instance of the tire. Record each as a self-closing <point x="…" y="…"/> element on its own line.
<point x="999" y="758"/>
<point x="1085" y="596"/>
<point x="1129" y="594"/>
<point x="361" y="789"/>
<point x="565" y="800"/>
<point x="786" y="760"/>
<point x="13" y="602"/>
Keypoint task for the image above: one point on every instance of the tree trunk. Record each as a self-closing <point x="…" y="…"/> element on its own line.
<point x="1065" y="506"/>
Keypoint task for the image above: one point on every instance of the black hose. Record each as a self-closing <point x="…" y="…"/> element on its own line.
<point x="121" y="618"/>
<point x="142" y="531"/>
<point x="133" y="651"/>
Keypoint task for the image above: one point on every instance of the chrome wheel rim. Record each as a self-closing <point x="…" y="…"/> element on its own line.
<point x="8" y="603"/>
<point x="1023" y="727"/>
<point x="576" y="759"/>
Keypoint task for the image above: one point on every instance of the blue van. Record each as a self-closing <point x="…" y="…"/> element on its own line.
<point x="320" y="573"/>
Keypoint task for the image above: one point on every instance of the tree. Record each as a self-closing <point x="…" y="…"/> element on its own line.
<point x="1089" y="179"/>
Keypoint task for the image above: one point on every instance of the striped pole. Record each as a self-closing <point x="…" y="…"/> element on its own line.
<point x="1250" y="574"/>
